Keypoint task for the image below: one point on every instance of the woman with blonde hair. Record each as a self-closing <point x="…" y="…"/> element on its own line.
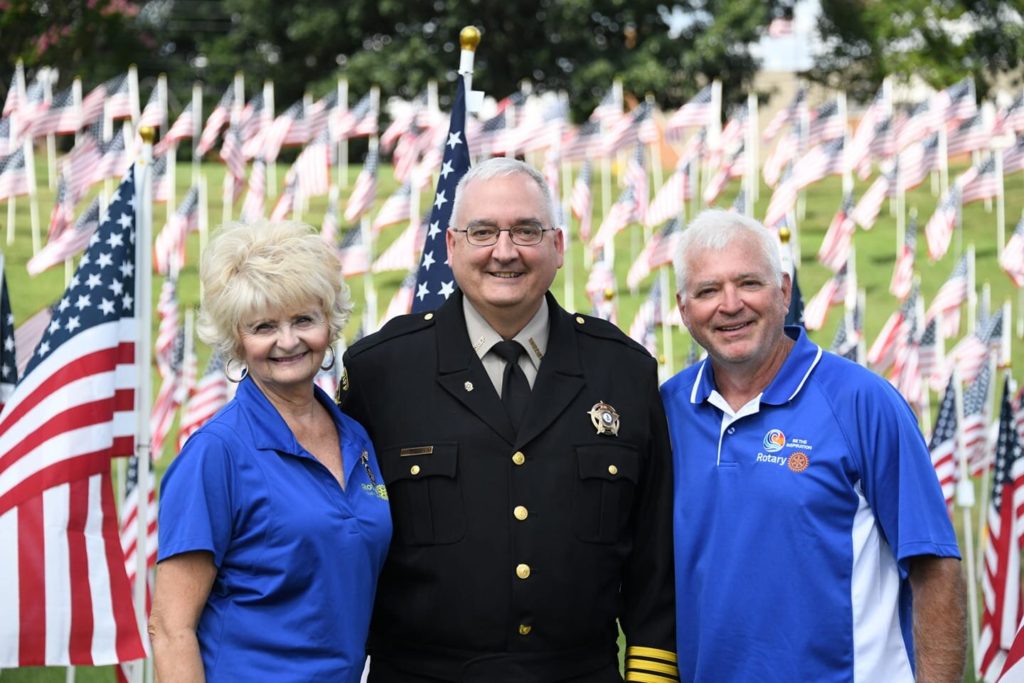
<point x="274" y="521"/>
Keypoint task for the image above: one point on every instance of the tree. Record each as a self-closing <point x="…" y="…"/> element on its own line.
<point x="940" y="42"/>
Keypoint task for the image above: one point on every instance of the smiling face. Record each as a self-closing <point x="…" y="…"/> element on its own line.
<point x="284" y="348"/>
<point x="734" y="308"/>
<point x="504" y="282"/>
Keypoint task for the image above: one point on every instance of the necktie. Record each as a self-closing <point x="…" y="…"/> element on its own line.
<point x="515" y="390"/>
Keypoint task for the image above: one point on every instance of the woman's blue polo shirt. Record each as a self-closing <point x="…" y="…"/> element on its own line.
<point x="297" y="557"/>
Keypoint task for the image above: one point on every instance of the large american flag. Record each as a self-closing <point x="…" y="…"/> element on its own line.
<point x="1000" y="582"/>
<point x="8" y="355"/>
<point x="65" y="598"/>
<point x="69" y="242"/>
<point x="434" y="279"/>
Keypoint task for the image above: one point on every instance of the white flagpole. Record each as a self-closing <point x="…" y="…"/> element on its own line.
<point x="143" y="353"/>
<point x="268" y="107"/>
<point x="342" y="105"/>
<point x="49" y="77"/>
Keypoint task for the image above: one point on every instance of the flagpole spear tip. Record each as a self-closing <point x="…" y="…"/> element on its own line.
<point x="148" y="134"/>
<point x="469" y="38"/>
<point x="784" y="235"/>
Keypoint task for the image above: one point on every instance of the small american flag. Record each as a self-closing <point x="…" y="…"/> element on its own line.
<point x="671" y="197"/>
<point x="169" y="246"/>
<point x="13" y="175"/>
<point x="825" y="159"/>
<point x="358" y="122"/>
<point x="940" y="227"/>
<point x="918" y="161"/>
<point x="788" y="115"/>
<point x="984" y="184"/>
<point x="656" y="253"/>
<point x="696" y="112"/>
<point x="254" y="207"/>
<point x="826" y="124"/>
<point x="865" y="213"/>
<point x="183" y="128"/>
<point x="1013" y="157"/>
<point x="835" y="247"/>
<point x="118" y="104"/>
<point x="831" y="293"/>
<point x="353" y="253"/>
<point x="207" y="397"/>
<point x="942" y="444"/>
<point x="951" y="295"/>
<point x="364" y="191"/>
<point x="970" y="135"/>
<point x="581" y="201"/>
<point x="1012" y="260"/>
<point x="903" y="271"/>
<point x="218" y="119"/>
<point x="395" y="209"/>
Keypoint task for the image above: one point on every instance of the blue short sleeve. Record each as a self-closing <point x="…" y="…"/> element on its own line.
<point x="197" y="499"/>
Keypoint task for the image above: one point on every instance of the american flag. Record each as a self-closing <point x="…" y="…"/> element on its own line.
<point x="670" y="199"/>
<point x="585" y="142"/>
<point x="184" y="127"/>
<point x="826" y="124"/>
<point x="299" y="130"/>
<point x="951" y="295"/>
<point x="318" y="114"/>
<point x="970" y="135"/>
<point x="785" y="151"/>
<point x="870" y="205"/>
<point x="884" y="350"/>
<point x="733" y="134"/>
<point x="696" y="112"/>
<point x="13" y="175"/>
<point x="846" y="342"/>
<point x="69" y="242"/>
<point x="600" y="290"/>
<point x="7" y="142"/>
<point x="167" y="330"/>
<point x="155" y="112"/>
<point x="906" y="373"/>
<point x="92" y="104"/>
<point x="788" y="115"/>
<point x="254" y="207"/>
<point x="903" y="271"/>
<point x="940" y="227"/>
<point x="1013" y="157"/>
<point x="1012" y="259"/>
<point x="255" y="118"/>
<point x="396" y="208"/>
<point x="918" y="161"/>
<point x="364" y="192"/>
<point x="955" y="103"/>
<point x="63" y="212"/>
<point x="620" y="215"/>
<point x="403" y="119"/>
<point x="161" y="181"/>
<point x="359" y="121"/>
<point x="169" y="246"/>
<point x="835" y="247"/>
<point x="608" y="111"/>
<point x="204" y="399"/>
<point x="130" y="522"/>
<point x="231" y="154"/>
<point x="168" y="398"/>
<point x="14" y="93"/>
<point x="353" y="253"/>
<point x="404" y="252"/>
<point x="494" y="137"/>
<point x="1011" y="119"/>
<point x="434" y="279"/>
<point x="930" y="357"/>
<point x="545" y="130"/>
<point x="636" y="128"/>
<point x="942" y="444"/>
<point x="61" y="118"/>
<point x="1000" y="582"/>
<point x="656" y="253"/>
<point x="915" y="124"/>
<point x="831" y="293"/>
<point x="118" y="102"/>
<point x="1013" y="668"/>
<point x="329" y="225"/>
<point x="114" y="158"/>
<point x="783" y="199"/>
<point x="636" y="178"/>
<point x="71" y="412"/>
<point x="976" y="412"/>
<point x="822" y="160"/>
<point x="8" y="351"/>
<point x="970" y="355"/>
<point x="401" y="301"/>
<point x="79" y="164"/>
<point x="883" y="145"/>
<point x="984" y="182"/>
<point x="581" y="201"/>
<point x="641" y="330"/>
<point x="867" y="130"/>
<point x="286" y="200"/>
<point x="274" y="135"/>
<point x="733" y="166"/>
<point x="218" y="119"/>
<point x="313" y="168"/>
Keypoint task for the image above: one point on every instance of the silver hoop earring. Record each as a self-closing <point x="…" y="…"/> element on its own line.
<point x="330" y="349"/>
<point x="241" y="375"/>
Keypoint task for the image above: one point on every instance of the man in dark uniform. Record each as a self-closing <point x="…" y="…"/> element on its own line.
<point x="531" y="498"/>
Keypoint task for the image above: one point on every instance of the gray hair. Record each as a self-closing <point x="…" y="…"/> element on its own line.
<point x="714" y="230"/>
<point x="498" y="167"/>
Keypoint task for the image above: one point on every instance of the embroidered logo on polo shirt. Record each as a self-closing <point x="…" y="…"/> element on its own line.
<point x="774" y="440"/>
<point x="798" y="462"/>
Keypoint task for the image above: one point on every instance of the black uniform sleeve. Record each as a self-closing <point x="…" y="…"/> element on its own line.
<point x="648" y="588"/>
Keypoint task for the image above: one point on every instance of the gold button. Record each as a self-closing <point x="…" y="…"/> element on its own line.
<point x="524" y="629"/>
<point x="428" y="316"/>
<point x="521" y="512"/>
<point x="414" y="470"/>
<point x="613" y="470"/>
<point x="579" y="319"/>
<point x="518" y="458"/>
<point x="523" y="571"/>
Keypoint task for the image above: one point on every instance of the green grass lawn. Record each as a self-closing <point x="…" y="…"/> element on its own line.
<point x="875" y="253"/>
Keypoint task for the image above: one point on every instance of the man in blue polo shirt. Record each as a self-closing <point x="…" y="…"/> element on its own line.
<point x="812" y="541"/>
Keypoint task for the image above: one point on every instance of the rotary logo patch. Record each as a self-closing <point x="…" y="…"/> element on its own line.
<point x="798" y="462"/>
<point x="774" y="440"/>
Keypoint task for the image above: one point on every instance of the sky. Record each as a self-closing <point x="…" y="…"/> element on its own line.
<point x="793" y="52"/>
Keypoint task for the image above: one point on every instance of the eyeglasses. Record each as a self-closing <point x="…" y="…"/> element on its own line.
<point x="525" y="235"/>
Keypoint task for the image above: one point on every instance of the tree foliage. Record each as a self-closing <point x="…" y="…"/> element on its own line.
<point x="939" y="41"/>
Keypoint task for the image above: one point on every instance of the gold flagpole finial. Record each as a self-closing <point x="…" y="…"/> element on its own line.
<point x="784" y="235"/>
<point x="469" y="38"/>
<point x="148" y="134"/>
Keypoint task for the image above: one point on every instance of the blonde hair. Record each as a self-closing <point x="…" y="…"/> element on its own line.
<point x="251" y="267"/>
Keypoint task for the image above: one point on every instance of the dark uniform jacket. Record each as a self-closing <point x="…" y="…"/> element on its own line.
<point x="514" y="554"/>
